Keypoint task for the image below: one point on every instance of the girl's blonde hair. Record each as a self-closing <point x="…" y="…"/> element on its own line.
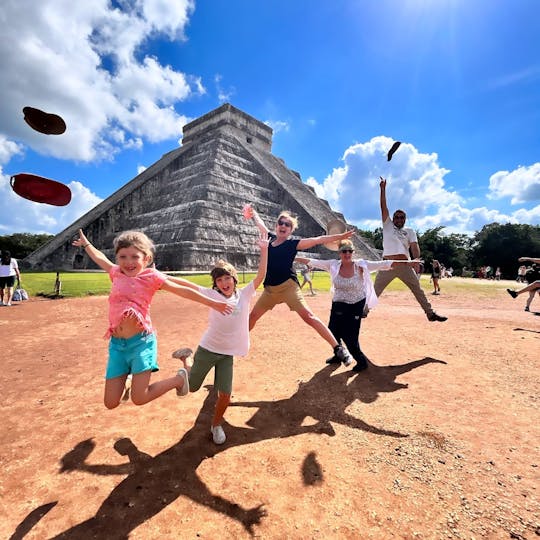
<point x="287" y="215"/>
<point x="136" y="239"/>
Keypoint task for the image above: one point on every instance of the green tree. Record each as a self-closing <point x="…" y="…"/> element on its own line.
<point x="22" y="244"/>
<point x="374" y="237"/>
<point x="451" y="250"/>
<point x="502" y="245"/>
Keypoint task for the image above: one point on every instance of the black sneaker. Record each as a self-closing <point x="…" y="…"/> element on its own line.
<point x="438" y="318"/>
<point x="527" y="309"/>
<point x="512" y="293"/>
<point x="333" y="360"/>
<point x="342" y="355"/>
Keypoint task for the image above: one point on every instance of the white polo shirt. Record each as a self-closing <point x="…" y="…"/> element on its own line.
<point x="397" y="241"/>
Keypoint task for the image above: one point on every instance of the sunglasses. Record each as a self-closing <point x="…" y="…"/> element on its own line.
<point x="283" y="223"/>
<point x="346" y="250"/>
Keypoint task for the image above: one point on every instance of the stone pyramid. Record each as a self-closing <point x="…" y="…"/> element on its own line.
<point x="189" y="202"/>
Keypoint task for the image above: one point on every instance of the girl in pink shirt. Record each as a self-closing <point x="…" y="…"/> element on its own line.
<point x="133" y="344"/>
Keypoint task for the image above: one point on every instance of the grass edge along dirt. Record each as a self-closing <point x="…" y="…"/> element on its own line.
<point x="80" y="284"/>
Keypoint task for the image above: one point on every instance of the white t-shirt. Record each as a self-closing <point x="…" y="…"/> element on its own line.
<point x="229" y="334"/>
<point x="7" y="270"/>
<point x="397" y="241"/>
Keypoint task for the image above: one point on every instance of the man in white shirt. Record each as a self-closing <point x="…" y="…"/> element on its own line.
<point x="399" y="243"/>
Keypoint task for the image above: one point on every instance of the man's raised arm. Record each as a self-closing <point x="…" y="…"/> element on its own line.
<point x="384" y="209"/>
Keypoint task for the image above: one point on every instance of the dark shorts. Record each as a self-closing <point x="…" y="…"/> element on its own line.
<point x="8" y="281"/>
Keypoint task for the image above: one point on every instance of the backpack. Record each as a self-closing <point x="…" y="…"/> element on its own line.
<point x="19" y="295"/>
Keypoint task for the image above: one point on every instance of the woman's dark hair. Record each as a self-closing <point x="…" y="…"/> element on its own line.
<point x="6" y="257"/>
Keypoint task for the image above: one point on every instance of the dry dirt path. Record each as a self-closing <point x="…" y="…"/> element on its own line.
<point x="438" y="439"/>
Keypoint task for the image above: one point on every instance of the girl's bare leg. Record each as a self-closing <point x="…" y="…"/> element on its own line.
<point x="142" y="392"/>
<point x="114" y="388"/>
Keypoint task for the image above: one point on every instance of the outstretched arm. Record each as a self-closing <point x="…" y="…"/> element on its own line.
<point x="531" y="259"/>
<point x="95" y="254"/>
<point x="384" y="208"/>
<point x="250" y="213"/>
<point x="196" y="296"/>
<point x="307" y="243"/>
<point x="263" y="260"/>
<point x="183" y="282"/>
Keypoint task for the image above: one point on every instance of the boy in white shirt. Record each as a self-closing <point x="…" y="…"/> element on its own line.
<point x="226" y="335"/>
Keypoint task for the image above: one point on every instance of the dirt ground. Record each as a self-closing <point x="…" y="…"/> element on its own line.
<point x="439" y="438"/>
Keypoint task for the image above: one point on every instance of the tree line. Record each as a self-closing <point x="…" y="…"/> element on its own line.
<point x="495" y="245"/>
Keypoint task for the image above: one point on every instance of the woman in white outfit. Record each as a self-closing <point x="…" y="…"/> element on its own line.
<point x="352" y="289"/>
<point x="9" y="270"/>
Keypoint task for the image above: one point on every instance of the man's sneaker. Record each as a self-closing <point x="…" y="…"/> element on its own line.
<point x="527" y="309"/>
<point x="342" y="355"/>
<point x="218" y="435"/>
<point x="333" y="360"/>
<point x="438" y="318"/>
<point x="512" y="293"/>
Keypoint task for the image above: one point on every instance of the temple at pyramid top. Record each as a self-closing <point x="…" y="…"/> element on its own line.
<point x="190" y="202"/>
<point x="229" y="119"/>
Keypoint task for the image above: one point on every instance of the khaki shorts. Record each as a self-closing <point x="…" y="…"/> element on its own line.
<point x="286" y="293"/>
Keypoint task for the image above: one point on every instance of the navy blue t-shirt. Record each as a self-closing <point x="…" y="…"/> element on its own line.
<point x="280" y="261"/>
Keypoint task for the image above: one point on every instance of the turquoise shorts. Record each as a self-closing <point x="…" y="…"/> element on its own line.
<point x="203" y="361"/>
<point x="133" y="355"/>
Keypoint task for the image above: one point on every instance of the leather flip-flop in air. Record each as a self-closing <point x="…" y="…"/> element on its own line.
<point x="39" y="189"/>
<point x="395" y="146"/>
<point x="50" y="124"/>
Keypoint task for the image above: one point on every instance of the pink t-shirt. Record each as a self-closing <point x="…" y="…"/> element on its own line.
<point x="132" y="296"/>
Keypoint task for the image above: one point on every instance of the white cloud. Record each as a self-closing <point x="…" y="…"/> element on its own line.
<point x="224" y="96"/>
<point x="277" y="125"/>
<point x="86" y="62"/>
<point x="22" y="215"/>
<point x="416" y="184"/>
<point x="521" y="185"/>
<point x="8" y="149"/>
<point x="415" y="181"/>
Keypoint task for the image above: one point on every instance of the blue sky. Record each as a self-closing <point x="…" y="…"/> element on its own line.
<point x="458" y="81"/>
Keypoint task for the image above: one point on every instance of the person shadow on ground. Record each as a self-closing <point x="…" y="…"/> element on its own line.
<point x="153" y="482"/>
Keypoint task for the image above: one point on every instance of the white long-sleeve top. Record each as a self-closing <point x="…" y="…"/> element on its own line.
<point x="332" y="266"/>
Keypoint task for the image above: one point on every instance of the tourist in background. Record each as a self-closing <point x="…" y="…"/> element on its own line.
<point x="9" y="270"/>
<point x="436" y="276"/>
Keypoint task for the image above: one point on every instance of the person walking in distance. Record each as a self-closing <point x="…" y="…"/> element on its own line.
<point x="399" y="242"/>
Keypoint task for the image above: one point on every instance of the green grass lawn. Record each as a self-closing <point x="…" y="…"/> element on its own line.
<point x="77" y="284"/>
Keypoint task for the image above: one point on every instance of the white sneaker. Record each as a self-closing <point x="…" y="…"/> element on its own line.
<point x="343" y="355"/>
<point x="218" y="435"/>
<point x="184" y="391"/>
